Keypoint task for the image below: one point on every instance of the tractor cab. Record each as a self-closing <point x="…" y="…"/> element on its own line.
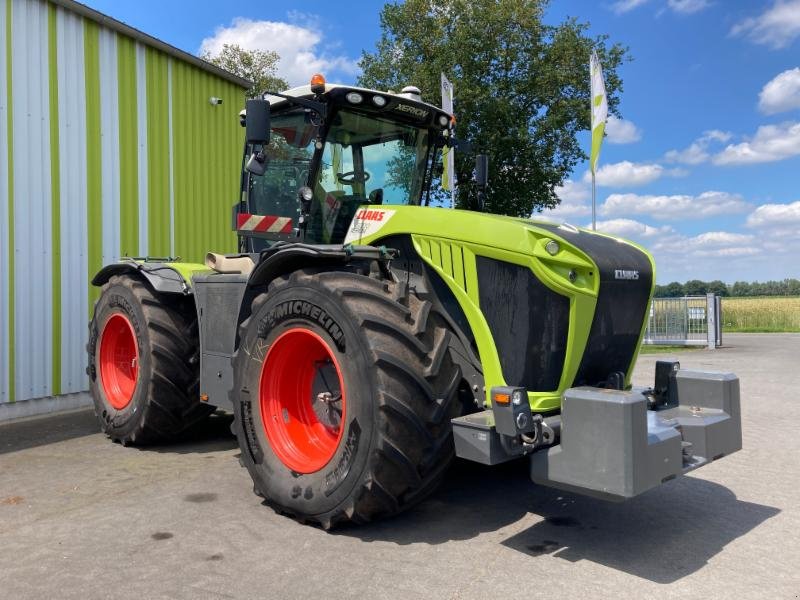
<point x="317" y="153"/>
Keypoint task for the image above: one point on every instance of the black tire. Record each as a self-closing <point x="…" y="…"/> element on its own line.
<point x="165" y="401"/>
<point x="401" y="392"/>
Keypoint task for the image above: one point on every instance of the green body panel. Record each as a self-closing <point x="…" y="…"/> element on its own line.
<point x="186" y="270"/>
<point x="450" y="240"/>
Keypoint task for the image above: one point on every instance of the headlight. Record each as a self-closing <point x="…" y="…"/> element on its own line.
<point x="305" y="193"/>
<point x="354" y="98"/>
<point x="379" y="101"/>
<point x="516" y="397"/>
<point x="443" y="120"/>
<point x="552" y="247"/>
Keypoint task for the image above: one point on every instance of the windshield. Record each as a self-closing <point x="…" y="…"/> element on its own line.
<point x="365" y="160"/>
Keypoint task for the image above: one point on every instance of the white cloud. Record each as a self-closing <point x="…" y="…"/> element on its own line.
<point x="688" y="7"/>
<point x="629" y="228"/>
<point x="704" y="256"/>
<point x="620" y="131"/>
<point x="630" y="174"/>
<point x="697" y="151"/>
<point x="300" y="46"/>
<point x="770" y="143"/>
<point x="776" y="216"/>
<point x="726" y="255"/>
<point x="707" y="204"/>
<point x="574" y="196"/>
<point x="777" y="27"/>
<point x="711" y="244"/>
<point x="573" y="191"/>
<point x="623" y="6"/>
<point x="782" y="93"/>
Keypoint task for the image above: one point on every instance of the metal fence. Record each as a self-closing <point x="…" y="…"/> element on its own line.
<point x="692" y="320"/>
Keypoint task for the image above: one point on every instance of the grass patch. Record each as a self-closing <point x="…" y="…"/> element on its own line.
<point x="659" y="349"/>
<point x="761" y="315"/>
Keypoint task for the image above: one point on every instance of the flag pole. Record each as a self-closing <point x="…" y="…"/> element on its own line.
<point x="594" y="219"/>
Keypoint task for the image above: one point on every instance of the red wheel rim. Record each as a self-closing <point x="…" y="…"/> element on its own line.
<point x="302" y="400"/>
<point x="119" y="360"/>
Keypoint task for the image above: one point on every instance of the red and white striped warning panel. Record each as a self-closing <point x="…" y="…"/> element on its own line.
<point x="263" y="223"/>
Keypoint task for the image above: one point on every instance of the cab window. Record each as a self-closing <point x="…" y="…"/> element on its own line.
<point x="288" y="154"/>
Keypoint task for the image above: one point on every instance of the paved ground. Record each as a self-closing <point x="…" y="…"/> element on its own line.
<point x="83" y="518"/>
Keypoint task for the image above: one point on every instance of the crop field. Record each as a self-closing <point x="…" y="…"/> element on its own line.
<point x="768" y="314"/>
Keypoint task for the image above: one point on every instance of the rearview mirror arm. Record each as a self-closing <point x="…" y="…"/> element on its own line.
<point x="318" y="107"/>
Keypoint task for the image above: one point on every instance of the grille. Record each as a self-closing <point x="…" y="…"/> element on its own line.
<point x="529" y="323"/>
<point x="621" y="305"/>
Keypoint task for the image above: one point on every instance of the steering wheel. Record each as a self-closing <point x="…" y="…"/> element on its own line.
<point x="352" y="177"/>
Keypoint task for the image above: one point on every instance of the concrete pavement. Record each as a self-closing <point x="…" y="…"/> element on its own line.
<point x="81" y="517"/>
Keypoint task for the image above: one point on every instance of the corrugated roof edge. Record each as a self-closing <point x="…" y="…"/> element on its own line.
<point x="121" y="27"/>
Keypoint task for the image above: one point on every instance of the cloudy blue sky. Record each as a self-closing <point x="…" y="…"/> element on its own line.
<point x="704" y="167"/>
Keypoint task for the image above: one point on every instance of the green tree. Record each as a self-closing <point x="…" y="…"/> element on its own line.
<point x="521" y="88"/>
<point x="717" y="287"/>
<point x="258" y="66"/>
<point x="673" y="290"/>
<point x="695" y="287"/>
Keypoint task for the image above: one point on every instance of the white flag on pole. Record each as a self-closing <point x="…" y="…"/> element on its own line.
<point x="599" y="109"/>
<point x="448" y="176"/>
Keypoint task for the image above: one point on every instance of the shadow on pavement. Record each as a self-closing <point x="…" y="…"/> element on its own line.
<point x="472" y="499"/>
<point x="48" y="429"/>
<point x="663" y="535"/>
<point x="210" y="435"/>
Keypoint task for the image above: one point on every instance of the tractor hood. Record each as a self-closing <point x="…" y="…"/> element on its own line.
<point x="550" y="306"/>
<point x="571" y="262"/>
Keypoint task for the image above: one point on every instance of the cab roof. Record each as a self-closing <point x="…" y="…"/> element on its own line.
<point x="304" y="91"/>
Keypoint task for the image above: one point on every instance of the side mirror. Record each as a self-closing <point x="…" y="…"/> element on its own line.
<point x="376" y="196"/>
<point x="257" y="164"/>
<point x="235" y="209"/>
<point x="481" y="170"/>
<point x="257" y="121"/>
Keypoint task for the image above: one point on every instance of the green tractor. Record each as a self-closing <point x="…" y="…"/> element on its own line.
<point x="362" y="338"/>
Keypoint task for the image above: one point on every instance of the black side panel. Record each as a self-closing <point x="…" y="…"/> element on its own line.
<point x="529" y="323"/>
<point x="626" y="277"/>
<point x="218" y="300"/>
<point x="410" y="263"/>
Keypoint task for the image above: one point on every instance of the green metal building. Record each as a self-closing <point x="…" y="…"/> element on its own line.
<point x="112" y="143"/>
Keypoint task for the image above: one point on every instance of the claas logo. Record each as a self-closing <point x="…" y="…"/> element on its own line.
<point x="370" y="215"/>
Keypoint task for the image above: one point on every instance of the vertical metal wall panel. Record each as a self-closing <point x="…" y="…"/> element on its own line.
<point x="207" y="141"/>
<point x="94" y="156"/>
<point x="170" y="140"/>
<point x="5" y="339"/>
<point x="109" y="128"/>
<point x="74" y="228"/>
<point x="140" y="163"/>
<point x="55" y="195"/>
<point x="32" y="225"/>
<point x="141" y="130"/>
<point x="158" y="161"/>
<point x="128" y="146"/>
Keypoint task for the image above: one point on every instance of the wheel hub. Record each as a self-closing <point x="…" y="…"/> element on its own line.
<point x="119" y="361"/>
<point x="302" y="400"/>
